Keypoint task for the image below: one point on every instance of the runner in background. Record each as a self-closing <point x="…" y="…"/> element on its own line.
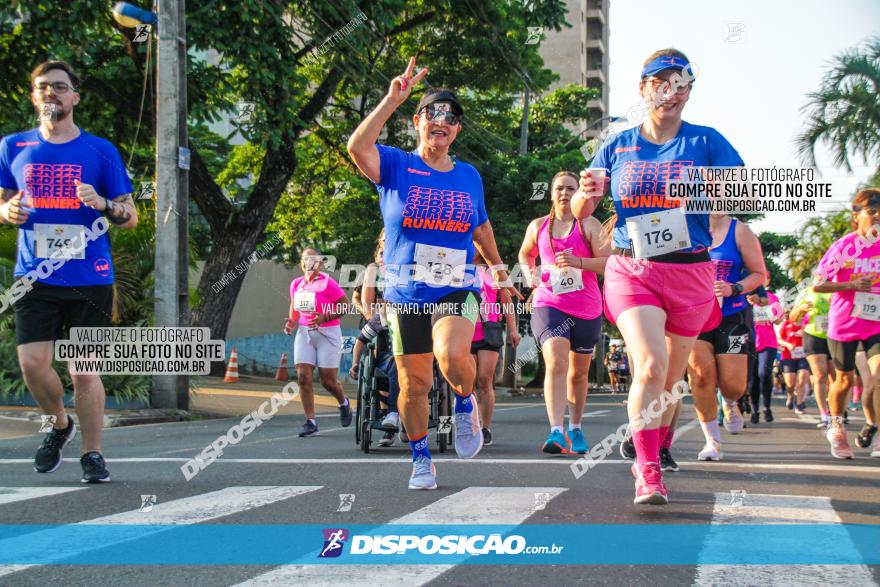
<point x="566" y="308"/>
<point x="815" y="307"/>
<point x="865" y="402"/>
<point x="488" y="341"/>
<point x="57" y="182"/>
<point x="761" y="386"/>
<point x="612" y="363"/>
<point x="659" y="281"/>
<point x="720" y="356"/>
<point x="316" y="304"/>
<point x="851" y="267"/>
<point x="795" y="369"/>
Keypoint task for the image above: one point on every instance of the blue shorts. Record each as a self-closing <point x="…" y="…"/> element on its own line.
<point x="581" y="333"/>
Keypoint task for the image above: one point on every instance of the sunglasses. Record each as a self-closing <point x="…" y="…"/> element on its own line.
<point x="435" y="114"/>
<point x="869" y="210"/>
<point x="57" y="87"/>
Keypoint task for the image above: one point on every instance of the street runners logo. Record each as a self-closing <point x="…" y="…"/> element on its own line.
<point x="434" y="209"/>
<point x="51" y="185"/>
<point x="643" y="183"/>
<point x="334" y="540"/>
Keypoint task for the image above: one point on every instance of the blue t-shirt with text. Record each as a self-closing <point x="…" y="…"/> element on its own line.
<point x="639" y="170"/>
<point x="45" y="172"/>
<point x="421" y="205"/>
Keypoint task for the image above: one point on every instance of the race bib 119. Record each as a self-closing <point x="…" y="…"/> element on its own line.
<point x="866" y="306"/>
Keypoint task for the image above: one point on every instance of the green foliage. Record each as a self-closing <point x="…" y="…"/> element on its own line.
<point x="816" y="236"/>
<point x="844" y="112"/>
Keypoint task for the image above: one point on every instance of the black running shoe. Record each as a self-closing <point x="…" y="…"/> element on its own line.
<point x="345" y="414"/>
<point x="864" y="438"/>
<point x="94" y="469"/>
<point x="48" y="457"/>
<point x="755" y="418"/>
<point x="487" y="437"/>
<point x="309" y="429"/>
<point x="667" y="463"/>
<point x="628" y="449"/>
<point x="768" y="415"/>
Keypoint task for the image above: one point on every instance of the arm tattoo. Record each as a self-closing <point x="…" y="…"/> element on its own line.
<point x="7" y="194"/>
<point x="117" y="212"/>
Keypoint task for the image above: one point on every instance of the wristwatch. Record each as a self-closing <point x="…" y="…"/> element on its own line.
<point x="737" y="288"/>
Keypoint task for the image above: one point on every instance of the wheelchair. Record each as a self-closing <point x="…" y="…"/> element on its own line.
<point x="372" y="379"/>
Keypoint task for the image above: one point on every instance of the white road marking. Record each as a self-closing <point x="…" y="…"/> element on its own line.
<point x="14" y="494"/>
<point x="47" y="544"/>
<point x="474" y="505"/>
<point x="682" y="430"/>
<point x="595" y="414"/>
<point x="559" y="461"/>
<point x="750" y="508"/>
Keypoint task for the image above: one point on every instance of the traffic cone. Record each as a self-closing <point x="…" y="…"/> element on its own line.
<point x="232" y="367"/>
<point x="281" y="374"/>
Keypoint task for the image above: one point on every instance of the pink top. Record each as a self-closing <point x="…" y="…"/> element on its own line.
<point x="489" y="307"/>
<point x="765" y="335"/>
<point x="318" y="295"/>
<point x="844" y="261"/>
<point x="585" y="303"/>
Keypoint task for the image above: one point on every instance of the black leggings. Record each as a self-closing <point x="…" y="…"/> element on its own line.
<point x="761" y="381"/>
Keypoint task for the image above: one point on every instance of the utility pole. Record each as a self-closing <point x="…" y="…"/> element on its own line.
<point x="524" y="127"/>
<point x="172" y="201"/>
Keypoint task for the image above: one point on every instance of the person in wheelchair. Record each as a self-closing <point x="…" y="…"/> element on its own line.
<point x="386" y="371"/>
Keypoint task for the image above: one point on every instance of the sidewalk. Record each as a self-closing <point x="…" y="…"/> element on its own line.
<point x="214" y="398"/>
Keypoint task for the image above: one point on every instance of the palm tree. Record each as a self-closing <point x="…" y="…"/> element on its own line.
<point x="816" y="237"/>
<point x="845" y="112"/>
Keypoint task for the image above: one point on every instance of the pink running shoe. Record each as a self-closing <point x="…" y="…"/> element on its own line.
<point x="840" y="448"/>
<point x="649" y="484"/>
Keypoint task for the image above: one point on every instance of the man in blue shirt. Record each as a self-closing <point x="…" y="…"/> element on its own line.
<point x="64" y="188"/>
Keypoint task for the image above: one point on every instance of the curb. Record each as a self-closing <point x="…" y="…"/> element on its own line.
<point x="114" y="420"/>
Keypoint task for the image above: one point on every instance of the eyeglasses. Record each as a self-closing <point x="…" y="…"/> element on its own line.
<point x="57" y="87"/>
<point x="435" y="114"/>
<point x="666" y="86"/>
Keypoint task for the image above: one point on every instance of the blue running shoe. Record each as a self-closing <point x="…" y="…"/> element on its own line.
<point x="557" y="443"/>
<point x="424" y="475"/>
<point x="578" y="442"/>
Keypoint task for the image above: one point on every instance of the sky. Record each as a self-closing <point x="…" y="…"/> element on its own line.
<point x="750" y="85"/>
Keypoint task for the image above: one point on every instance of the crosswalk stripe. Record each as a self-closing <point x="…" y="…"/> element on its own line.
<point x="14" y="494"/>
<point x="747" y="508"/>
<point x="188" y="510"/>
<point x="474" y="505"/>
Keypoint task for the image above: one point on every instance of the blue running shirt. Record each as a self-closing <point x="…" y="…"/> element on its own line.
<point x="45" y="172"/>
<point x="639" y="170"/>
<point x="429" y="216"/>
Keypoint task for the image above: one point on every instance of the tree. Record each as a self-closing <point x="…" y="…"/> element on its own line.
<point x="845" y="112"/>
<point x="265" y="53"/>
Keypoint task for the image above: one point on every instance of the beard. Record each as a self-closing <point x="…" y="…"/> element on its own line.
<point x="51" y="111"/>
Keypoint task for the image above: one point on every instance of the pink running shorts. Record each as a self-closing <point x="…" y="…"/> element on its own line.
<point x="684" y="291"/>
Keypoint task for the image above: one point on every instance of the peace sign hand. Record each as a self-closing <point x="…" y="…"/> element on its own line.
<point x="402" y="86"/>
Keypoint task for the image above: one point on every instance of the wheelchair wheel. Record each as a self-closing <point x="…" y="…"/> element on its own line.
<point x="363" y="432"/>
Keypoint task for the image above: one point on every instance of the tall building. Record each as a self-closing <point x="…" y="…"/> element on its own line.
<point x="579" y="55"/>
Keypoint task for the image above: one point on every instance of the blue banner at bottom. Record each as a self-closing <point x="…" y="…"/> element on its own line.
<point x="529" y="544"/>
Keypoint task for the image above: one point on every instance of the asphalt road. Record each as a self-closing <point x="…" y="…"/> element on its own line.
<point x="779" y="473"/>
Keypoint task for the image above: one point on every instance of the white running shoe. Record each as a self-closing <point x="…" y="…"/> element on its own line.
<point x="468" y="433"/>
<point x="836" y="435"/>
<point x="391" y="422"/>
<point x="711" y="452"/>
<point x="424" y="475"/>
<point x="733" y="418"/>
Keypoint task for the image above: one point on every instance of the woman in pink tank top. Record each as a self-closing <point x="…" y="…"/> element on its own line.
<point x="566" y="308"/>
